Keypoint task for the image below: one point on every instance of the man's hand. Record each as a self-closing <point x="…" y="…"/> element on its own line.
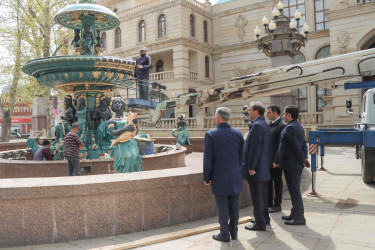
<point x="274" y="165"/>
<point x="307" y="163"/>
<point x="207" y="183"/>
<point x="139" y="66"/>
<point x="252" y="172"/>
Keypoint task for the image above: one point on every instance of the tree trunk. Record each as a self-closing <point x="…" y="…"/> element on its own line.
<point x="5" y="127"/>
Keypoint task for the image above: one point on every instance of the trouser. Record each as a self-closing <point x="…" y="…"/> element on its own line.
<point x="275" y="187"/>
<point x="259" y="197"/>
<point x="73" y="165"/>
<point x="143" y="90"/>
<point x="293" y="180"/>
<point x="228" y="209"/>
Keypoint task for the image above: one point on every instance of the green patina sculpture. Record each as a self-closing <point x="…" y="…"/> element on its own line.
<point x="31" y="143"/>
<point x="87" y="76"/>
<point x="125" y="151"/>
<point x="103" y="114"/>
<point x="183" y="135"/>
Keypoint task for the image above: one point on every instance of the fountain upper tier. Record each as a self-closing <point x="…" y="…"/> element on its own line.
<point x="75" y="16"/>
<point x="87" y="69"/>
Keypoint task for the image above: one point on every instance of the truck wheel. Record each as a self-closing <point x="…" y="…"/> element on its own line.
<point x="367" y="169"/>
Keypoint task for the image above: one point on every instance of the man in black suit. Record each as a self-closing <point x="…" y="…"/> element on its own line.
<point x="256" y="165"/>
<point x="275" y="185"/>
<point x="292" y="157"/>
<point x="222" y="160"/>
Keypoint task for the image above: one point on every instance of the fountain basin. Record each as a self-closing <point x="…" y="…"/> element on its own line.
<point x="71" y="71"/>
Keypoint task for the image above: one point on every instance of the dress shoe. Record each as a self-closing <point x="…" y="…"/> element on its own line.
<point x="219" y="237"/>
<point x="295" y="222"/>
<point x="287" y="217"/>
<point x="274" y="209"/>
<point x="253" y="221"/>
<point x="255" y="227"/>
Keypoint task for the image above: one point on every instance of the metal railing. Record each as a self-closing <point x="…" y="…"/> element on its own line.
<point x="160" y="76"/>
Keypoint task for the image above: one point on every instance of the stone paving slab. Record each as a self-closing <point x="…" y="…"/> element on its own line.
<point x="343" y="217"/>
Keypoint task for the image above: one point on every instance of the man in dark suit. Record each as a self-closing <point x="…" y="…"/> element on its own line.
<point x="222" y="160"/>
<point x="256" y="165"/>
<point x="275" y="185"/>
<point x="292" y="157"/>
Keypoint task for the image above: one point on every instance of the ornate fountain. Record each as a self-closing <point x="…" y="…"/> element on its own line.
<point x="88" y="76"/>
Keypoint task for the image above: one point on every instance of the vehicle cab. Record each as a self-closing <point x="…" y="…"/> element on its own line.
<point x="368" y="108"/>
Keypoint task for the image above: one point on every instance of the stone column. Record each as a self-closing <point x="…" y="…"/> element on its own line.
<point x="180" y="62"/>
<point x="328" y="111"/>
<point x="200" y="118"/>
<point x="39" y="114"/>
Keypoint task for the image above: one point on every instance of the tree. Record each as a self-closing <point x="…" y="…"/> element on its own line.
<point x="14" y="43"/>
<point x="29" y="28"/>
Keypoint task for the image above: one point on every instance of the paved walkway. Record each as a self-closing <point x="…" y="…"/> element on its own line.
<point x="343" y="217"/>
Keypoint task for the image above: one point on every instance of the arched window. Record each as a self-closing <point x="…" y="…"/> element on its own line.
<point x="205" y="31"/>
<point x="162" y="29"/>
<point x="207" y="67"/>
<point x="192" y="25"/>
<point x="323" y="52"/>
<point x="104" y="40"/>
<point x="142" y="31"/>
<point x="118" y="38"/>
<point x="159" y="66"/>
<point x="299" y="58"/>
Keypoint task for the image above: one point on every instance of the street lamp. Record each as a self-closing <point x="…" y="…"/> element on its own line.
<point x="282" y="36"/>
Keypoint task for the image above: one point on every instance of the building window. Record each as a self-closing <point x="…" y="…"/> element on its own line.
<point x="159" y="66"/>
<point x="321" y="21"/>
<point x="192" y="25"/>
<point x="323" y="52"/>
<point x="301" y="98"/>
<point x="207" y="67"/>
<point x="291" y="6"/>
<point x="142" y="31"/>
<point x="205" y="31"/>
<point x="104" y="40"/>
<point x="162" y="31"/>
<point x="320" y="93"/>
<point x="118" y="38"/>
<point x="299" y="58"/>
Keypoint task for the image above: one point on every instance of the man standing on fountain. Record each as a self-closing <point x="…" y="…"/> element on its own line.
<point x="72" y="144"/>
<point x="143" y="65"/>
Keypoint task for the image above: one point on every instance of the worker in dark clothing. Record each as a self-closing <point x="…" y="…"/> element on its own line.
<point x="275" y="185"/>
<point x="143" y="65"/>
<point x="43" y="153"/>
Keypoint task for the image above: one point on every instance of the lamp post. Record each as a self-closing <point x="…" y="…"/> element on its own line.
<point x="282" y="39"/>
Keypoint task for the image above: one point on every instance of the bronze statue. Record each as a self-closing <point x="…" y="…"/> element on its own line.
<point x="70" y="111"/>
<point x="88" y="38"/>
<point x="76" y="38"/>
<point x="103" y="114"/>
<point x="83" y="118"/>
<point x="125" y="153"/>
<point x="183" y="135"/>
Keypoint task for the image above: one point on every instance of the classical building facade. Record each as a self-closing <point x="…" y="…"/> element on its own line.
<point x="196" y="44"/>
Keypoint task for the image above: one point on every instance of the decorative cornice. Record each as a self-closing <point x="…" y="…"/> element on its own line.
<point x="242" y="9"/>
<point x="318" y="34"/>
<point x="359" y="10"/>
<point x="166" y="44"/>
